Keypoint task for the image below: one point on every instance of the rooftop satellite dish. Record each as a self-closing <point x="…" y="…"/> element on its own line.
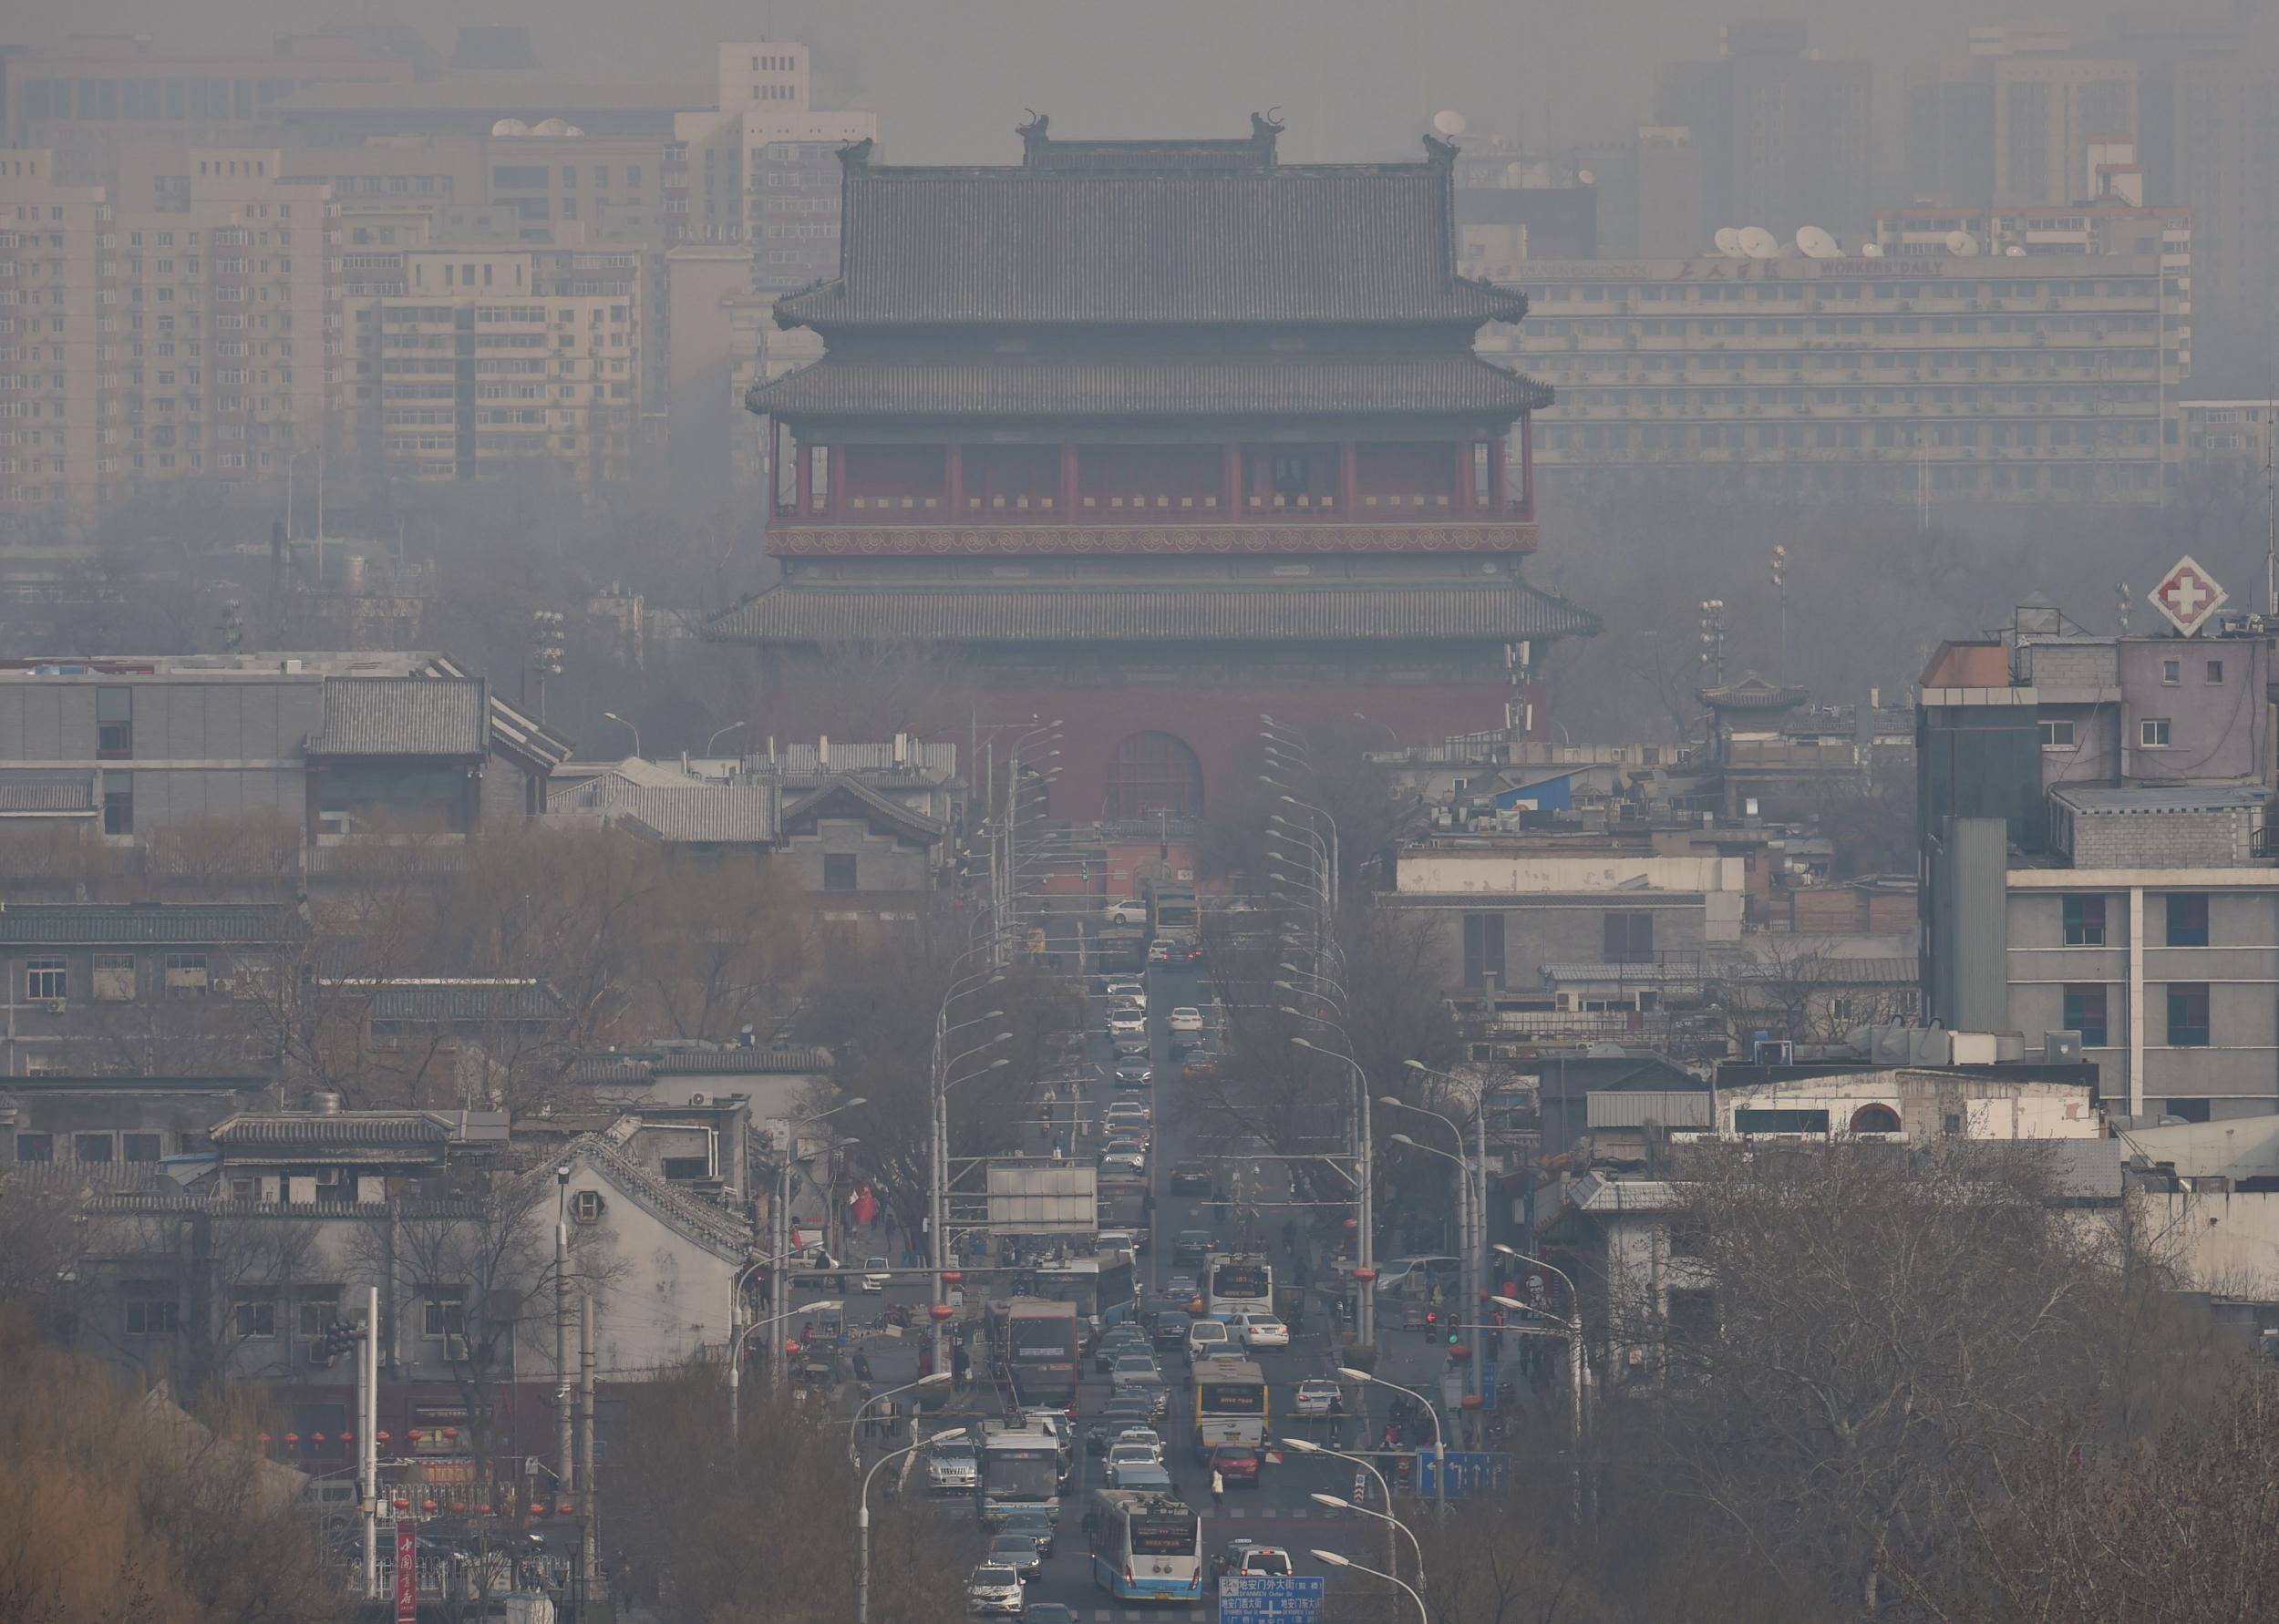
<point x="1728" y="242"/>
<point x="2014" y="251"/>
<point x="1448" y="122"/>
<point x="571" y="129"/>
<point x="1816" y="244"/>
<point x="1961" y="244"/>
<point x="1870" y="250"/>
<point x="1585" y="177"/>
<point x="510" y="126"/>
<point x="549" y="126"/>
<point x="1759" y="243"/>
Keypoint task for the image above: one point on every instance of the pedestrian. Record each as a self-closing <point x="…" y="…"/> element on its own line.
<point x="1218" y="1490"/>
<point x="1289" y="1235"/>
<point x="961" y="1367"/>
<point x="862" y="1366"/>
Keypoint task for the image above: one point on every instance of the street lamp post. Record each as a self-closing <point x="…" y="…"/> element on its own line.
<point x="1334" y="1560"/>
<point x="719" y="733"/>
<point x="854" y="1422"/>
<point x="1573" y="1326"/>
<point x="1364" y="1268"/>
<point x="1392" y="1551"/>
<point x="628" y="727"/>
<point x="1439" y="1444"/>
<point x="782" y="1227"/>
<point x="862" y="1517"/>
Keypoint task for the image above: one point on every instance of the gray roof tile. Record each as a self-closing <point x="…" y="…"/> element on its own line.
<point x="402" y="717"/>
<point x="129" y="924"/>
<point x="344" y="1128"/>
<point x="24" y="792"/>
<point x="796" y="611"/>
<point x="693" y="813"/>
<point x="1361" y="243"/>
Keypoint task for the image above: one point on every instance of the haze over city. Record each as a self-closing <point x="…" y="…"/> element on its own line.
<point x="1224" y="812"/>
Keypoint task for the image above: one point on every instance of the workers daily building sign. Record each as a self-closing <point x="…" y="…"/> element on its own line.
<point x="2188" y="596"/>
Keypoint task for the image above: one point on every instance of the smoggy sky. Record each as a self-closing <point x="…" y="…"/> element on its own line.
<point x="1352" y="79"/>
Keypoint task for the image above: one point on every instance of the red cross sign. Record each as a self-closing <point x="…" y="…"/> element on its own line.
<point x="2188" y="596"/>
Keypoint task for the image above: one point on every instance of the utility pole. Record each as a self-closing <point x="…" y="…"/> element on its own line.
<point x="369" y="1441"/>
<point x="591" y="1540"/>
<point x="564" y="1462"/>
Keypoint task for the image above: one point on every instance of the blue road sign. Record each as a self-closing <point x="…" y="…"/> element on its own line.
<point x="1471" y="1472"/>
<point x="1272" y="1599"/>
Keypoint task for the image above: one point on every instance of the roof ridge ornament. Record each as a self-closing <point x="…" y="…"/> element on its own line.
<point x="857" y="155"/>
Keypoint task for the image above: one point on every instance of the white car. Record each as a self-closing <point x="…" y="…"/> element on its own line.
<point x="1135" y="990"/>
<point x="1140" y="1436"/>
<point x="1128" y="1023"/>
<point x="1204" y="1336"/>
<point x="1186" y="1018"/>
<point x="1125" y="1161"/>
<point x="994" y="1590"/>
<point x="1118" y="1240"/>
<point x="1132" y="910"/>
<point x="1132" y="1111"/>
<point x="952" y="1468"/>
<point x="1260" y="1331"/>
<point x="877" y="1272"/>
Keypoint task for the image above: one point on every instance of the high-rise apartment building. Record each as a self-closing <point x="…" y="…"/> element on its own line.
<point x="1785" y="136"/>
<point x="2008" y="123"/>
<point x="487" y="359"/>
<point x="1920" y="375"/>
<point x="184" y="336"/>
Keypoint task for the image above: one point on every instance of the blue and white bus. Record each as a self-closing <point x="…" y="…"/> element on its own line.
<point x="1146" y="1547"/>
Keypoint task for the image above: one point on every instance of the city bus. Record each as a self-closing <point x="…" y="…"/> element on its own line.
<point x="1146" y="1547"/>
<point x="1033" y="1350"/>
<point x="1020" y="1471"/>
<point x="1230" y="1405"/>
<point x="1237" y="1283"/>
<point x="1101" y="1289"/>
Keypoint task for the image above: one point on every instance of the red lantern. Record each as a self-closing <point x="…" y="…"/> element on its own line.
<point x="348" y="1438"/>
<point x="1459" y="1353"/>
<point x="951" y="1277"/>
<point x="792" y="1348"/>
<point x="942" y="1311"/>
<point x="1365" y="1274"/>
<point x="317" y="1439"/>
<point x="1472" y="1401"/>
<point x="413" y="1434"/>
<point x="402" y="1504"/>
<point x="458" y="1506"/>
<point x="292" y="1440"/>
<point x="427" y="1507"/>
<point x="482" y="1511"/>
<point x="264" y="1440"/>
<point x="450" y="1431"/>
<point x="1353" y="1223"/>
<point x="567" y="1509"/>
<point x="388" y="1437"/>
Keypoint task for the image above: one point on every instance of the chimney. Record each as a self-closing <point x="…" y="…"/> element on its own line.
<point x="822" y="752"/>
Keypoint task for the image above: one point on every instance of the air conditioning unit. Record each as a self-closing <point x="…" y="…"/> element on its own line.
<point x="698" y="1099"/>
<point x="54" y="1006"/>
<point x="318" y="1359"/>
<point x="329" y="1177"/>
<point x="454" y="1349"/>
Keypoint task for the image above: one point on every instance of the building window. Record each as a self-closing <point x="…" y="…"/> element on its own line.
<point x="140" y="1147"/>
<point x="114" y="978"/>
<point x="2085" y="1013"/>
<point x="1152" y="774"/>
<point x="2171" y="673"/>
<point x="2186" y="1110"/>
<point x="2152" y="733"/>
<point x="1483" y="949"/>
<point x="2188" y="1014"/>
<point x="118" y="803"/>
<point x="585" y="1206"/>
<point x="2216" y="674"/>
<point x="46" y="978"/>
<point x="1630" y="938"/>
<point x="92" y="1148"/>
<point x="149" y="1310"/>
<point x="185" y="975"/>
<point x="2188" y="918"/>
<point x="313" y="1316"/>
<point x="35" y="1147"/>
<point x="839" y="870"/>
<point x="256" y="1319"/>
<point x="443" y="1313"/>
<point x="2085" y="922"/>
<point x="114" y="723"/>
<point x="1875" y="1118"/>
<point x="2058" y="735"/>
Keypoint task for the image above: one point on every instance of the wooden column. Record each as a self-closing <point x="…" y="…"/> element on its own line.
<point x="956" y="474"/>
<point x="804" y="495"/>
<point x="1348" y="479"/>
<point x="1500" y="454"/>
<point x="1231" y="477"/>
<point x="1068" y="479"/>
<point x="1527" y="464"/>
<point x="1464" y="454"/>
<point x="835" y="472"/>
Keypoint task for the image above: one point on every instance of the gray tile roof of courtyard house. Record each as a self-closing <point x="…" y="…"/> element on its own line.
<point x="1297" y="243"/>
<point x="467" y="1000"/>
<point x="135" y="924"/>
<point x="2160" y="798"/>
<point x="342" y="1128"/>
<point x="402" y="717"/>
<point x="1812" y="970"/>
<point x="690" y="812"/>
<point x="1011" y="386"/>
<point x="633" y="1066"/>
<point x="47" y="794"/>
<point x="796" y="612"/>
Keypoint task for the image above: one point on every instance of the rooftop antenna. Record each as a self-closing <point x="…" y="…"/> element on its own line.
<point x="2121" y="606"/>
<point x="2271" y="513"/>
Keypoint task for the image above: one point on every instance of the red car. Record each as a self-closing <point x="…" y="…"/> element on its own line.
<point x="1235" y="1462"/>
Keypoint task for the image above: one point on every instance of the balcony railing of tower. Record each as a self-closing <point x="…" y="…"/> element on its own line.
<point x="1342" y="482"/>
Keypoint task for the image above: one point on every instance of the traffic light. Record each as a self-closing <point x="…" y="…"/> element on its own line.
<point x="339" y="1338"/>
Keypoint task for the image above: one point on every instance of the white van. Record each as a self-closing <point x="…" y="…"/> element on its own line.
<point x="1206" y="1336"/>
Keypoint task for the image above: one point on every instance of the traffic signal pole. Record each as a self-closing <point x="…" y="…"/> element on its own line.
<point x="369" y="1440"/>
